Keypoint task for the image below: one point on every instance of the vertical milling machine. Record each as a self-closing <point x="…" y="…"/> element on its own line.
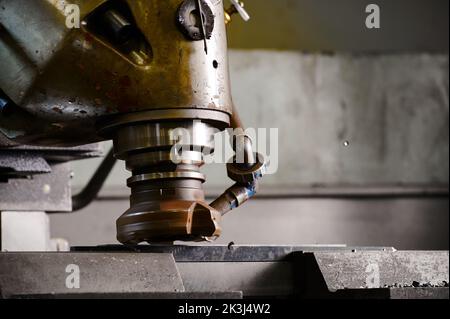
<point x="135" y="72"/>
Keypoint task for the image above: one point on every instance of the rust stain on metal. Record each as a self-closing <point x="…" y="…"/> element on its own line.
<point x="125" y="81"/>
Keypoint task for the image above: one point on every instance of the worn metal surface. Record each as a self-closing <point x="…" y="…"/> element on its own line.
<point x="390" y="293"/>
<point x="254" y="279"/>
<point x="168" y="72"/>
<point x="364" y="269"/>
<point x="21" y="164"/>
<point x="46" y="192"/>
<point x="419" y="293"/>
<point x="46" y="273"/>
<point x="150" y="295"/>
<point x="303" y="271"/>
<point x="61" y="154"/>
<point x="336" y="273"/>
<point x="279" y="279"/>
<point x="230" y="253"/>
<point x="26" y="160"/>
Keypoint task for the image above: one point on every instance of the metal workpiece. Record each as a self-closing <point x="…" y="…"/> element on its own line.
<point x="47" y="273"/>
<point x="127" y="56"/>
<point x="172" y="271"/>
<point x="229" y="253"/>
<point x="364" y="269"/>
<point x="235" y="295"/>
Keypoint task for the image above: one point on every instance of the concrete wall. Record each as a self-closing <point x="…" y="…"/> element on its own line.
<point x="391" y="109"/>
<point x="330" y="26"/>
